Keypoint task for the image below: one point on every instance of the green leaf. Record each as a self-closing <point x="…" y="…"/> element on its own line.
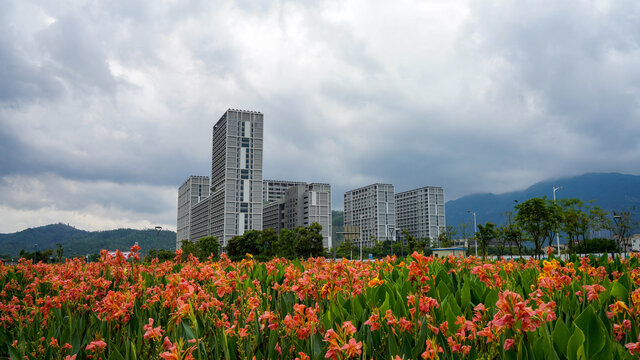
<point x="620" y="291"/>
<point x="594" y="332"/>
<point x="465" y="296"/>
<point x="188" y="332"/>
<point x="115" y="355"/>
<point x="575" y="346"/>
<point x="561" y="335"/>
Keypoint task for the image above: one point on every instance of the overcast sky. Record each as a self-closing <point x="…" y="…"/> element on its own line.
<point x="106" y="107"/>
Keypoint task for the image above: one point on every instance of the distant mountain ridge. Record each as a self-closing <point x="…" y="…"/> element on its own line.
<point x="78" y="242"/>
<point x="611" y="191"/>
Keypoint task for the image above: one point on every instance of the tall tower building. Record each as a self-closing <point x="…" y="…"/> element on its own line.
<point x="235" y="204"/>
<point x="191" y="192"/>
<point x="372" y="208"/>
<point x="421" y="213"/>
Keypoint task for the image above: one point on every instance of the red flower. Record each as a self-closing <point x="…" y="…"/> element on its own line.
<point x="352" y="348"/>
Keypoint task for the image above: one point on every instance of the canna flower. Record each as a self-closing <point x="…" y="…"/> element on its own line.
<point x="508" y="344"/>
<point x="376" y="282"/>
<point x="151" y="332"/>
<point x="352" y="348"/>
<point x="96" y="345"/>
<point x="432" y="350"/>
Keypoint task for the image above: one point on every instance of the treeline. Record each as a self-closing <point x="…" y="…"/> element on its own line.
<point x="539" y="222"/>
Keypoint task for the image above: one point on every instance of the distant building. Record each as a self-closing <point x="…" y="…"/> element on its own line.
<point x="274" y="190"/>
<point x="635" y="243"/>
<point x="302" y="205"/>
<point x="444" y="252"/>
<point x="235" y="205"/>
<point x="421" y="213"/>
<point x="191" y="192"/>
<point x="372" y="208"/>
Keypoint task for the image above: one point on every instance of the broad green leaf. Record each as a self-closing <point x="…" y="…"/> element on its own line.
<point x="594" y="332"/>
<point x="188" y="332"/>
<point x="620" y="291"/>
<point x="465" y="296"/>
<point x="115" y="355"/>
<point x="575" y="346"/>
<point x="561" y="335"/>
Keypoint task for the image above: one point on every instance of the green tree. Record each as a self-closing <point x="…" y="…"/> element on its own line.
<point x="411" y="241"/>
<point x="308" y="241"/>
<point x="485" y="235"/>
<point x="445" y="238"/>
<point x="538" y="220"/>
<point x="208" y="246"/>
<point x="286" y="242"/>
<point x="268" y="244"/>
<point x="59" y="252"/>
<point x="247" y="243"/>
<point x="622" y="225"/>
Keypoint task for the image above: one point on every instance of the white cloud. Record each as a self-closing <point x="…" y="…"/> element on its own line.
<point x="474" y="96"/>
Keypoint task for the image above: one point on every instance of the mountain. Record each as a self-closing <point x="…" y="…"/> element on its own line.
<point x="80" y="242"/>
<point x="611" y="191"/>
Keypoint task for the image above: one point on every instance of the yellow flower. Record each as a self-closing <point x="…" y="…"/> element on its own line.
<point x="376" y="282"/>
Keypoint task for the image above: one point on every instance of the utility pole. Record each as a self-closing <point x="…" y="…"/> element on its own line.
<point x="557" y="232"/>
<point x="475" y="229"/>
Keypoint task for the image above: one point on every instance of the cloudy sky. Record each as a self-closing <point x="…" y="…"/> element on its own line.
<point x="106" y="107"/>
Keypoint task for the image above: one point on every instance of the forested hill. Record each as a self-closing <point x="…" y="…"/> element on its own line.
<point x="80" y="242"/>
<point x="611" y="191"/>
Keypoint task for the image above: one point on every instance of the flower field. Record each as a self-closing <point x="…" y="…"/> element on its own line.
<point x="414" y="308"/>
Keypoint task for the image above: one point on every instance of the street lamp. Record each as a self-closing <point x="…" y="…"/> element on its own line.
<point x="390" y="231"/>
<point x="557" y="232"/>
<point x="475" y="229"/>
<point x="158" y="228"/>
<point x="618" y="220"/>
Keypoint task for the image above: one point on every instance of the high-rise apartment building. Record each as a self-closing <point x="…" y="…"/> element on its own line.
<point x="372" y="209"/>
<point x="273" y="190"/>
<point x="236" y="174"/>
<point x="191" y="192"/>
<point x="421" y="213"/>
<point x="302" y="205"/>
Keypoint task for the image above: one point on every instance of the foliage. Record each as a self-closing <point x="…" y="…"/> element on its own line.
<point x="79" y="242"/>
<point x="623" y="223"/>
<point x="445" y="238"/>
<point x="486" y="233"/>
<point x="202" y="249"/>
<point x="410" y="308"/>
<point x="537" y="217"/>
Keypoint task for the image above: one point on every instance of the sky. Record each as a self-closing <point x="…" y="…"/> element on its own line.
<point x="106" y="107"/>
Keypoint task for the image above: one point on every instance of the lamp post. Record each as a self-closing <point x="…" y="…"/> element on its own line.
<point x="158" y="228"/>
<point x="618" y="220"/>
<point x="391" y="237"/>
<point x="475" y="229"/>
<point x="557" y="233"/>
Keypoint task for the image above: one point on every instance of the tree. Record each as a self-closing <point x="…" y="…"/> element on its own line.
<point x="411" y="241"/>
<point x="286" y="241"/>
<point x="622" y="227"/>
<point x="484" y="236"/>
<point x="268" y="244"/>
<point x="308" y="241"/>
<point x="446" y="237"/>
<point x="59" y="252"/>
<point x="538" y="220"/>
<point x="247" y="243"/>
<point x="208" y="246"/>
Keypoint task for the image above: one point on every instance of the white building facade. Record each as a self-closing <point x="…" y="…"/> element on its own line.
<point x="236" y="175"/>
<point x="421" y="213"/>
<point x="191" y="192"/>
<point x="371" y="208"/>
<point x="302" y="205"/>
